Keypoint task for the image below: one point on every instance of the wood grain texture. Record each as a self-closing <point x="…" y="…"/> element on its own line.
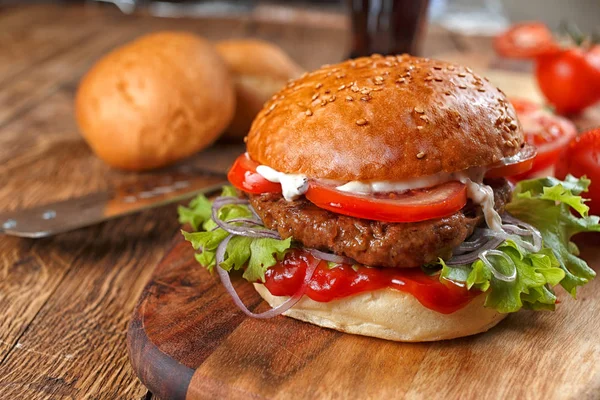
<point x="186" y="322"/>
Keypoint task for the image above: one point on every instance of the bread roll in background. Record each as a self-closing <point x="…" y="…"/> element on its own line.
<point x="259" y="70"/>
<point x="154" y="101"/>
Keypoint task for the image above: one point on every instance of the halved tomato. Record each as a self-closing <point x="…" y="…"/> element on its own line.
<point x="548" y="132"/>
<point x="514" y="165"/>
<point x="411" y="206"/>
<point x="244" y="177"/>
<point x="525" y="40"/>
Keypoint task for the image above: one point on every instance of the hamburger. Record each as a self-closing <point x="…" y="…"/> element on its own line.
<point x="373" y="199"/>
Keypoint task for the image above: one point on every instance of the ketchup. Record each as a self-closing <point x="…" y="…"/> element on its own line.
<point x="327" y="284"/>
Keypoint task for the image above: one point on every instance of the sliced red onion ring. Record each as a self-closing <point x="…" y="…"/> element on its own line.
<point x="334" y="258"/>
<point x="470" y="258"/>
<point x="497" y="274"/>
<point x="251" y="229"/>
<point x="280" y="309"/>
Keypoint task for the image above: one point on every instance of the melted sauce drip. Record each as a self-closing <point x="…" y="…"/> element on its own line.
<point x="344" y="280"/>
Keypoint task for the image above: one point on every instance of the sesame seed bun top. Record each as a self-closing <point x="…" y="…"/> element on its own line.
<point x="385" y="118"/>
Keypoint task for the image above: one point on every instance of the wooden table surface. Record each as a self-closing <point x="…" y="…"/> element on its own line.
<point x="65" y="301"/>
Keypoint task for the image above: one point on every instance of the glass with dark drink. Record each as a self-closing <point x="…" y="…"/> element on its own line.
<point x="387" y="26"/>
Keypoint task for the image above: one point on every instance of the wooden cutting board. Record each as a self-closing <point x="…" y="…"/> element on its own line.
<point x="187" y="340"/>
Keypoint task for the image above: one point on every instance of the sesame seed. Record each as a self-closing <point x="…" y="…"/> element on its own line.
<point x="450" y="67"/>
<point x="513" y="126"/>
<point x="323" y="103"/>
<point x="327" y="91"/>
<point x="420" y="155"/>
<point x="378" y="82"/>
<point x="342" y="87"/>
<point x="273" y="106"/>
<point x="510" y="144"/>
<point x="419" y="110"/>
<point x="506" y="129"/>
<point x="379" y="78"/>
<point x="319" y="85"/>
<point x="462" y="75"/>
<point x="308" y="113"/>
<point x="361" y="122"/>
<point x="365" y="91"/>
<point x="315" y="96"/>
<point x="447" y="93"/>
<point x="419" y="127"/>
<point x="340" y="76"/>
<point x="428" y="79"/>
<point x="349" y="98"/>
<point x="469" y="70"/>
<point x="438" y="79"/>
<point x="481" y="90"/>
<point x="377" y="89"/>
<point x="332" y="98"/>
<point x="424" y="118"/>
<point x="508" y="120"/>
<point x="355" y="89"/>
<point x="401" y="80"/>
<point x="365" y="98"/>
<point x="437" y="67"/>
<point x="462" y="87"/>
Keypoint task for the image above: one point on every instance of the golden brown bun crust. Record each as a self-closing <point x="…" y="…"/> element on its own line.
<point x="385" y="118"/>
<point x="390" y="314"/>
<point x="156" y="100"/>
<point x="259" y="69"/>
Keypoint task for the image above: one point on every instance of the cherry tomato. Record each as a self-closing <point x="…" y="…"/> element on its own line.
<point x="411" y="206"/>
<point x="244" y="177"/>
<point x="570" y="78"/>
<point x="517" y="164"/>
<point x="525" y="40"/>
<point x="582" y="157"/>
<point x="548" y="132"/>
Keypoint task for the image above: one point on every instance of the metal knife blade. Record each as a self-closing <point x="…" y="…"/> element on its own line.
<point x="67" y="215"/>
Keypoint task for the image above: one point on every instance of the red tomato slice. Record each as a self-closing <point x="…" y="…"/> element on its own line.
<point x="548" y="132"/>
<point x="412" y="206"/>
<point x="514" y="165"/>
<point x="582" y="157"/>
<point x="525" y="40"/>
<point x="244" y="177"/>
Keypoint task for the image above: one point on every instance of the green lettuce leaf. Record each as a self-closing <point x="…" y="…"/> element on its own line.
<point x="546" y="204"/>
<point x="255" y="255"/>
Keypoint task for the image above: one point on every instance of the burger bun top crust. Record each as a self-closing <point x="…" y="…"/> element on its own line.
<point x="385" y="118"/>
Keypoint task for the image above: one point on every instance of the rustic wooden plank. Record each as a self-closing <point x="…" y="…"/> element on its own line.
<point x="76" y="345"/>
<point x="56" y="30"/>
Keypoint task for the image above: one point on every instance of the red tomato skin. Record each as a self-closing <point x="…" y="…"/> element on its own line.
<point x="510" y="43"/>
<point x="582" y="157"/>
<point x="243" y="176"/>
<point x="372" y="208"/>
<point x="569" y="79"/>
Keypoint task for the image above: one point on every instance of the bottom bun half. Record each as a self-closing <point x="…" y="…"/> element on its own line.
<point x="390" y="314"/>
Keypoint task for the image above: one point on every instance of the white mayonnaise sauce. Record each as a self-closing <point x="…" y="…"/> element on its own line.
<point x="292" y="185"/>
<point x="295" y="185"/>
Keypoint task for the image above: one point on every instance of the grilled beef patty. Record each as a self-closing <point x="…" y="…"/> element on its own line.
<point x="374" y="243"/>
